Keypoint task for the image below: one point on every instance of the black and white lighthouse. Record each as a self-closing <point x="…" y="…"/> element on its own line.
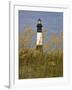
<point x="39" y="42"/>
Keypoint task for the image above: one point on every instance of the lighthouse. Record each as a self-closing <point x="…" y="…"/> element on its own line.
<point x="39" y="42"/>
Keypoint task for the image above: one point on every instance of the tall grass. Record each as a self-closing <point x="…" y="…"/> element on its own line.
<point x="40" y="64"/>
<point x="36" y="64"/>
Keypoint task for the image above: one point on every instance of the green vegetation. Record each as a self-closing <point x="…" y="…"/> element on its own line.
<point x="40" y="64"/>
<point x="37" y="64"/>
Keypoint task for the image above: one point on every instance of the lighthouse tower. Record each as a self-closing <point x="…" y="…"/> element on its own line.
<point x="39" y="42"/>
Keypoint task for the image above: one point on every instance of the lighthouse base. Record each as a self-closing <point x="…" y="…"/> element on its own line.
<point x="39" y="47"/>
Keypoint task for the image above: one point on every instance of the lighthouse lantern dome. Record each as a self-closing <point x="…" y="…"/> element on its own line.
<point x="39" y="21"/>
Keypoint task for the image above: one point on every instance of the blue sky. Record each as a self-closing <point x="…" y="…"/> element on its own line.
<point x="53" y="21"/>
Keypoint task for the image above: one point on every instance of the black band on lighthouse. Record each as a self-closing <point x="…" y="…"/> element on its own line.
<point x="39" y="26"/>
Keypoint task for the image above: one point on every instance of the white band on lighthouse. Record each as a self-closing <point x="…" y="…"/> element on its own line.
<point x="39" y="38"/>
